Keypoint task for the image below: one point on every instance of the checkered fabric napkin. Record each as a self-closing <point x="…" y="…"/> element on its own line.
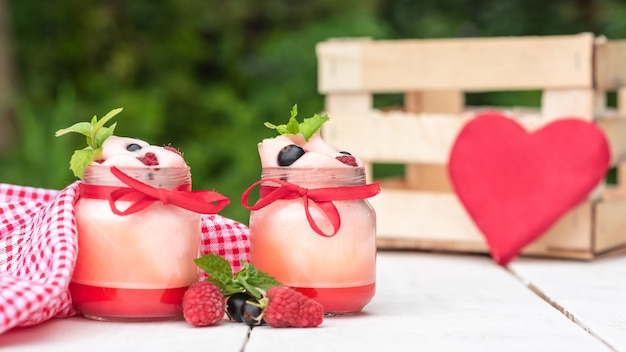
<point x="38" y="247"/>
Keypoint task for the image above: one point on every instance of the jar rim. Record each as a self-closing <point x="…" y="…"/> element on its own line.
<point x="134" y="168"/>
<point x="316" y="175"/>
<point x="339" y="169"/>
<point x="162" y="177"/>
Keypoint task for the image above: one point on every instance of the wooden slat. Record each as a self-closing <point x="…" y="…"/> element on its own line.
<point x="424" y="216"/>
<point x="393" y="136"/>
<point x="615" y="131"/>
<point x="427" y="177"/>
<point x="621" y="102"/>
<point x="610" y="67"/>
<point x="569" y="237"/>
<point x="441" y="102"/>
<point x="348" y="102"/>
<point x="438" y="221"/>
<point x="469" y="64"/>
<point x="581" y="102"/>
<point x="610" y="225"/>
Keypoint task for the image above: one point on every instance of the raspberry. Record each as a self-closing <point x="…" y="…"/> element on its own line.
<point x="149" y="159"/>
<point x="203" y="304"/>
<point x="289" y="308"/>
<point x="172" y="149"/>
<point x="347" y="159"/>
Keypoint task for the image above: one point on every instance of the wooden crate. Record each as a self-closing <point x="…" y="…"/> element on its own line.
<point x="420" y="211"/>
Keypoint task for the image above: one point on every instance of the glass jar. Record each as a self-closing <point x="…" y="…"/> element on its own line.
<point x="314" y="230"/>
<point x="133" y="266"/>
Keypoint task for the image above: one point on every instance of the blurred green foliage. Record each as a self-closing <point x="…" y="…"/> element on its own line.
<point x="205" y="75"/>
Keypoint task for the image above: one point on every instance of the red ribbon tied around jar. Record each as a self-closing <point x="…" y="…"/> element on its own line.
<point x="142" y="195"/>
<point x="322" y="197"/>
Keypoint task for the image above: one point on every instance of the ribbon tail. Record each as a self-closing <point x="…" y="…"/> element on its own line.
<point x="345" y="192"/>
<point x="203" y="202"/>
<point x="328" y="209"/>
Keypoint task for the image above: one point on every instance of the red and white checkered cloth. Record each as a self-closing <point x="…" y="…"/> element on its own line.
<point x="38" y="246"/>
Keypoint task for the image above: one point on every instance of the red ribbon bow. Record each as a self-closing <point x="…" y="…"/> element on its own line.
<point x="322" y="197"/>
<point x="142" y="195"/>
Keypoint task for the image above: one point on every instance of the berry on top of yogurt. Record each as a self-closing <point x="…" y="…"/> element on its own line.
<point x="300" y="145"/>
<point x="125" y="151"/>
<point x="289" y="154"/>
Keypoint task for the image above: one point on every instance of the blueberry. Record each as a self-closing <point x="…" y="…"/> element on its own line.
<point x="289" y="154"/>
<point x="251" y="314"/>
<point x="234" y="304"/>
<point x="133" y="147"/>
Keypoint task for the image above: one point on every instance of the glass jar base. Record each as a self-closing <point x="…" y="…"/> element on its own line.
<point x="122" y="304"/>
<point x="338" y="301"/>
<point x="131" y="319"/>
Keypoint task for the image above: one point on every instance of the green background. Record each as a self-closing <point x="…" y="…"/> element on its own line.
<point x="205" y="75"/>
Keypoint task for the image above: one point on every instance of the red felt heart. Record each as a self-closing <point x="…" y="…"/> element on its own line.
<point x="515" y="184"/>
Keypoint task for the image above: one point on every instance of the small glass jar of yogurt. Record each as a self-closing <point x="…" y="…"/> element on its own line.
<point x="133" y="266"/>
<point x="317" y="234"/>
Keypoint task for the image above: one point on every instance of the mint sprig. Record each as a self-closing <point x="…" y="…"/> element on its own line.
<point x="249" y="279"/>
<point x="96" y="134"/>
<point x="307" y="127"/>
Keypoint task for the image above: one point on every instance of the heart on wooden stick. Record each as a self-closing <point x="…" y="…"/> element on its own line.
<point x="515" y="184"/>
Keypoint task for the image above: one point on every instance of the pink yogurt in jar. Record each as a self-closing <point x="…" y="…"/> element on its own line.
<point x="312" y="227"/>
<point x="135" y="266"/>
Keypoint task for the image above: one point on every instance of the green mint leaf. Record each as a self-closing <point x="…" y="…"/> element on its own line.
<point x="307" y="128"/>
<point x="218" y="269"/>
<point x="294" y="111"/>
<point x="241" y="278"/>
<point x="247" y="279"/>
<point x="293" y="127"/>
<point x="79" y="161"/>
<point x="103" y="133"/>
<point x="95" y="134"/>
<point x="255" y="282"/>
<point x="270" y="125"/>
<point x="107" y="117"/>
<point x="311" y="125"/>
<point x="259" y="278"/>
<point x="83" y="128"/>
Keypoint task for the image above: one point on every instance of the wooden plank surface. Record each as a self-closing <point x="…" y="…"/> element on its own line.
<point x="591" y="294"/>
<point x="467" y="64"/>
<point x="80" y="335"/>
<point x="424" y="302"/>
<point x="428" y="302"/>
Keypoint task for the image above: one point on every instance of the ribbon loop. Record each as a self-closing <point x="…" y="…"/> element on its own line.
<point x="141" y="195"/>
<point x="321" y="197"/>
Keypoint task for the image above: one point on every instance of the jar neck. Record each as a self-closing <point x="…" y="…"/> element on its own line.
<point x="317" y="177"/>
<point x="158" y="177"/>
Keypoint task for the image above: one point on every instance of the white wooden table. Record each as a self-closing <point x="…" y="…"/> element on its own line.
<point x="424" y="302"/>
